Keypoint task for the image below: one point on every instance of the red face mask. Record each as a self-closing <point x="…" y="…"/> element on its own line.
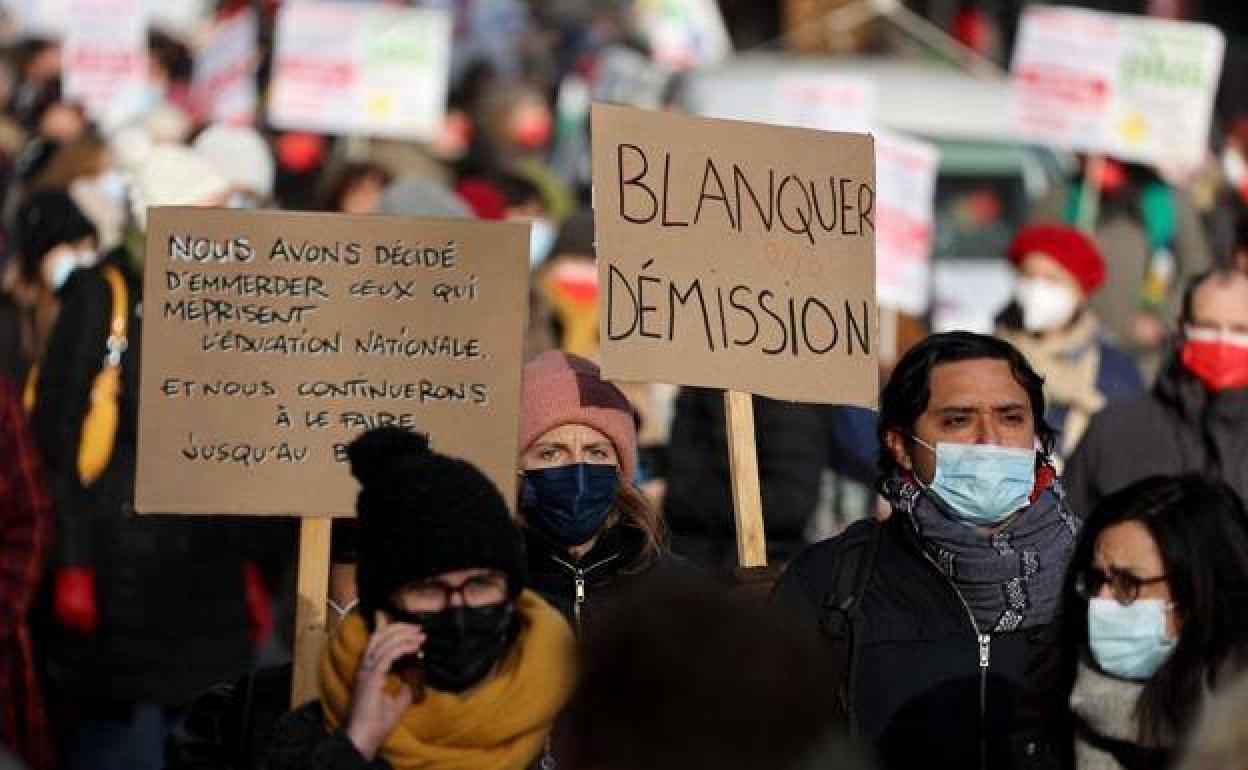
<point x="1220" y="365"/>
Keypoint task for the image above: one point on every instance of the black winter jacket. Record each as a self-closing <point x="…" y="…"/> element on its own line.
<point x="580" y="589"/>
<point x="169" y="590"/>
<point x="918" y="683"/>
<point x="1178" y="427"/>
<point x="792" y="450"/>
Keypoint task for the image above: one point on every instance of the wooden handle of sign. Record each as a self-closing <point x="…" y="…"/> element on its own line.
<point x="311" y="611"/>
<point x="747" y="498"/>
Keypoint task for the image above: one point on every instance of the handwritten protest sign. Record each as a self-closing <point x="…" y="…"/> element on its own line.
<point x="224" y="85"/>
<point x="736" y="255"/>
<point x="369" y="69"/>
<point x="105" y="57"/>
<point x="905" y="170"/>
<point x="1135" y="88"/>
<point x="271" y="339"/>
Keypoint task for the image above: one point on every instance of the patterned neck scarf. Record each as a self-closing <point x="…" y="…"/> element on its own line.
<point x="1011" y="579"/>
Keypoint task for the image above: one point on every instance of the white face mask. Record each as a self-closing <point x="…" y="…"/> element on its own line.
<point x="112" y="184"/>
<point x="1234" y="166"/>
<point x="542" y="235"/>
<point x="57" y="270"/>
<point x="86" y="258"/>
<point x="1046" y="305"/>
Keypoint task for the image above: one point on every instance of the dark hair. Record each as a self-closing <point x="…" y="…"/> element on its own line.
<point x="908" y="391"/>
<point x="1201" y="530"/>
<point x="654" y="693"/>
<point x="347" y="177"/>
<point x="1197" y="281"/>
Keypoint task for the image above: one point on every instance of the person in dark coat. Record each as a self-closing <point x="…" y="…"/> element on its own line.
<point x="937" y="614"/>
<point x="590" y="533"/>
<point x="146" y="611"/>
<point x="1051" y="322"/>
<point x="53" y="239"/>
<point x="1194" y="420"/>
<point x="448" y="661"/>
<point x="792" y="444"/>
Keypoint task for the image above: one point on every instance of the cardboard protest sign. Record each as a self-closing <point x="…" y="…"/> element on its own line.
<point x="368" y="69"/>
<point x="224" y="84"/>
<point x="272" y="339"/>
<point x="105" y="57"/>
<point x="1136" y="88"/>
<point x="736" y="255"/>
<point x="683" y="33"/>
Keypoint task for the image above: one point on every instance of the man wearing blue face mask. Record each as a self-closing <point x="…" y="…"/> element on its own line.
<point x="938" y="613"/>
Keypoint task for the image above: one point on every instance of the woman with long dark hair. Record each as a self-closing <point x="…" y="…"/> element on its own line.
<point x="1154" y="619"/>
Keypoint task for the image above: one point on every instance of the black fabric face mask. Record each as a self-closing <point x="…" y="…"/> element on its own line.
<point x="462" y="643"/>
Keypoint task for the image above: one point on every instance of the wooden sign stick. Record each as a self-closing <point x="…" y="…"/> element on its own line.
<point x="311" y="608"/>
<point x="747" y="498"/>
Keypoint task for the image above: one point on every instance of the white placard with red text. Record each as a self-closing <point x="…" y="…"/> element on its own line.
<point x="360" y="69"/>
<point x="105" y="57"/>
<point x="1136" y="88"/>
<point x="224" y="85"/>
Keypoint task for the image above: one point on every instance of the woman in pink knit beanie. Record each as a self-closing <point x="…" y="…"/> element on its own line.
<point x="589" y="530"/>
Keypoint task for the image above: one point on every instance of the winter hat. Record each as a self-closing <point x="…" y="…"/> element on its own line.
<point x="414" y="196"/>
<point x="422" y="514"/>
<point x="48" y="219"/>
<point x="1065" y="245"/>
<point x="173" y="176"/>
<point x="564" y="389"/>
<point x="241" y="154"/>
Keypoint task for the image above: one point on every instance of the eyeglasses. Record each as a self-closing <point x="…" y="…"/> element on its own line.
<point x="1124" y="586"/>
<point x="477" y="591"/>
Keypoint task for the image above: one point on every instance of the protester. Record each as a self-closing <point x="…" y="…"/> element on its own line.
<point x="1152" y="622"/>
<point x="356" y="189"/>
<point x="25" y="539"/>
<point x="680" y="676"/>
<point x="1060" y="270"/>
<point x="591" y="534"/>
<point x="792" y="450"/>
<point x="936" y="614"/>
<point x="448" y="662"/>
<point x="146" y="611"/>
<point x="1155" y="243"/>
<point x="1195" y="419"/>
<point x="54" y="240"/>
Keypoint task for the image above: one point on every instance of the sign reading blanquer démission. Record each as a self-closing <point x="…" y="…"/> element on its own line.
<point x="736" y="255"/>
<point x="271" y="339"/>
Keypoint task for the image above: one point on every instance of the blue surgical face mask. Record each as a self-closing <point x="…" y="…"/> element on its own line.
<point x="1129" y="642"/>
<point x="542" y="235"/>
<point x="569" y="503"/>
<point x="982" y="484"/>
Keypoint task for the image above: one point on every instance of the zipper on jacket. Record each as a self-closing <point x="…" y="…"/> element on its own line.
<point x="580" y="594"/>
<point x="985" y="660"/>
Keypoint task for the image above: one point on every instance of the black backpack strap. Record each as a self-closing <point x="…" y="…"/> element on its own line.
<point x="841" y="615"/>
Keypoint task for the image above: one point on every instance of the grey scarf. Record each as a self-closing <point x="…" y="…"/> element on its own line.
<point x="1010" y="580"/>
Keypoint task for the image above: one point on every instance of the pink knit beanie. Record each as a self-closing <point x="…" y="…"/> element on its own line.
<point x="564" y="389"/>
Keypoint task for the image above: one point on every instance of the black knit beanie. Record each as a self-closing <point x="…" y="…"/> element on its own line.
<point x="422" y="514"/>
<point x="48" y="219"/>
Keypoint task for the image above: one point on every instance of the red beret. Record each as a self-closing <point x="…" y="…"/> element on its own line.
<point x="1067" y="246"/>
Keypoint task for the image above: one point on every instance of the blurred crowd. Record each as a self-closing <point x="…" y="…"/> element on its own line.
<point x="1035" y="555"/>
